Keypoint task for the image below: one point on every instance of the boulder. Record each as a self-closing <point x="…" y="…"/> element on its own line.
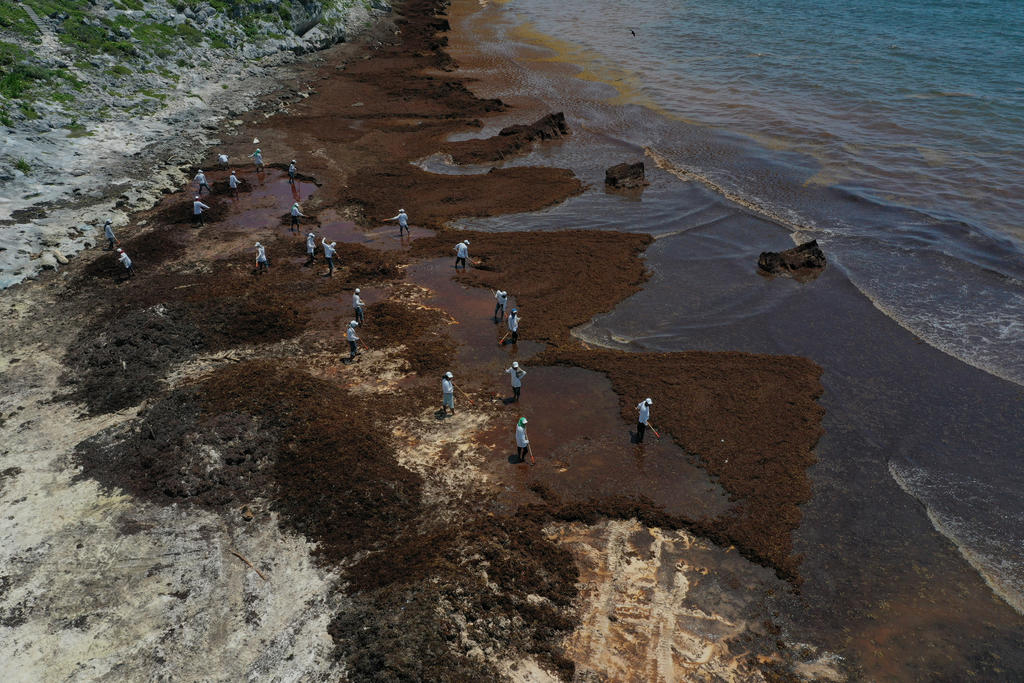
<point x="805" y="261"/>
<point x="625" y="176"/>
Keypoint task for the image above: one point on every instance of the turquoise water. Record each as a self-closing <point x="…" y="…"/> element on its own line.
<point x="916" y="102"/>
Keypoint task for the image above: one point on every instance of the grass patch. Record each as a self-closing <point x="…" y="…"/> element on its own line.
<point x="153" y="93"/>
<point x="28" y="110"/>
<point x="23" y="166"/>
<point x="5" y="118"/>
<point x="15" y="19"/>
<point x="118" y="70"/>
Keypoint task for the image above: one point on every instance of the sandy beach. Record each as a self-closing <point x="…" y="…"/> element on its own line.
<point x="197" y="482"/>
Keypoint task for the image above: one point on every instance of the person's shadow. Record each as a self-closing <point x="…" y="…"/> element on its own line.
<point x="514" y="459"/>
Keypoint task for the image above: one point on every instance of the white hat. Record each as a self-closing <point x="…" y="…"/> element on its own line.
<point x="401" y="211"/>
<point x="200" y="170"/>
<point x="232" y="172"/>
<point x="293" y="161"/>
<point x="515" y="364"/>
<point x="353" y="323"/>
<point x="197" y="196"/>
<point x="258" y="244"/>
<point x="108" y="220"/>
<point x="648" y="401"/>
<point x="311" y="235"/>
<point x="357" y="290"/>
<point x="465" y="241"/>
<point x="120" y="251"/>
<point x="449" y="375"/>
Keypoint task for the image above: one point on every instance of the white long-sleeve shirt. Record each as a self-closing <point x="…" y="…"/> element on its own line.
<point x="310" y="244"/>
<point x="233" y="181"/>
<point x="198" y="206"/>
<point x="125" y="261"/>
<point x="521" y="439"/>
<point x="517" y="376"/>
<point x="261" y="255"/>
<point x="502" y="297"/>
<point x="222" y="158"/>
<point x="447" y="387"/>
<point x="200" y="178"/>
<point x="291" y="169"/>
<point x="328" y="249"/>
<point x="402" y="219"/>
<point x="513" y="323"/>
<point x="258" y="156"/>
<point x="108" y="231"/>
<point x="351" y="334"/>
<point x="461" y="250"/>
<point x="357" y="301"/>
<point x="295" y="210"/>
<point x="644" y="411"/>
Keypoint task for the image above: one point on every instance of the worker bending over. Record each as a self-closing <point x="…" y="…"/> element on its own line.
<point x="643" y="416"/>
<point x="501" y="298"/>
<point x="461" y="253"/>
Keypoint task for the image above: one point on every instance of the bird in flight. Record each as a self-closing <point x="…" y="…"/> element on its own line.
<point x="633" y="32"/>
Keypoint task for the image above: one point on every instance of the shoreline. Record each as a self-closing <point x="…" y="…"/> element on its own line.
<point x="194" y="320"/>
<point x="882" y="404"/>
<point x="415" y="542"/>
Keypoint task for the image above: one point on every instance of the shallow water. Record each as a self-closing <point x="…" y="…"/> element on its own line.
<point x="916" y="517"/>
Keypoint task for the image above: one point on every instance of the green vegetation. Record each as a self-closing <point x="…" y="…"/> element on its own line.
<point x="14" y="18"/>
<point x="23" y="166"/>
<point x="128" y="4"/>
<point x="77" y="130"/>
<point x="28" y="110"/>
<point x="154" y="94"/>
<point x="5" y="118"/>
<point x="119" y="70"/>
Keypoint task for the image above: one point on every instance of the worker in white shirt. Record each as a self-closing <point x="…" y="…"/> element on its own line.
<point x="201" y="182"/>
<point x="357" y="303"/>
<point x="311" y="247"/>
<point x="291" y="172"/>
<point x="108" y="232"/>
<point x="329" y="250"/>
<point x="501" y="298"/>
<point x="296" y="213"/>
<point x="517" y="374"/>
<point x="126" y="262"/>
<point x="461" y="253"/>
<point x="257" y="157"/>
<point x="261" y="258"/>
<point x="522" y="440"/>
<point x="447" y="393"/>
<point x="513" y="326"/>
<point x="353" y="350"/>
<point x="233" y="183"/>
<point x="643" y="416"/>
<point x="223" y="159"/>
<point x="403" y="221"/>
<point x="197" y="211"/>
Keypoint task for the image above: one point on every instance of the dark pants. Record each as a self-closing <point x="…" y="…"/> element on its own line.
<point x="262" y="265"/>
<point x="359" y="314"/>
<point x="330" y="264"/>
<point x="401" y="228"/>
<point x="111" y="245"/>
<point x="459" y="259"/>
<point x="640" y="429"/>
<point x="198" y="218"/>
<point x="291" y="177"/>
<point x="312" y="256"/>
<point x="295" y="222"/>
<point x="521" y="452"/>
<point x="202" y="185"/>
<point x="515" y="393"/>
<point x="131" y="271"/>
<point x="234" y="191"/>
<point x="352" y="350"/>
<point x="499" y="312"/>
<point x="514" y="337"/>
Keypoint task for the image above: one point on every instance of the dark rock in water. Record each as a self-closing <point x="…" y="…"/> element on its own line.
<point x="804" y="262"/>
<point x="625" y="176"/>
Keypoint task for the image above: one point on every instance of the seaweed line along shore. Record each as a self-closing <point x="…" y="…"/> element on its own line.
<point x="233" y="460"/>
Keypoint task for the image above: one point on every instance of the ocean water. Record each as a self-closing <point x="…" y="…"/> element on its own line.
<point x="891" y="132"/>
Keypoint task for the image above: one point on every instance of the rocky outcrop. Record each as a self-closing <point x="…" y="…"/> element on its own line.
<point x="625" y="176"/>
<point x="508" y="141"/>
<point x="804" y="262"/>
